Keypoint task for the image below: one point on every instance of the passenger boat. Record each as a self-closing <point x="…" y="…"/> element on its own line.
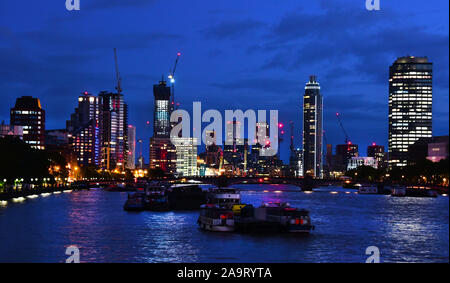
<point x="420" y="191"/>
<point x="398" y="191"/>
<point x="135" y="202"/>
<point x="273" y="217"/>
<point x="155" y="197"/>
<point x="216" y="218"/>
<point x="224" y="197"/>
<point x="80" y="185"/>
<point x="186" y="197"/>
<point x="367" y="189"/>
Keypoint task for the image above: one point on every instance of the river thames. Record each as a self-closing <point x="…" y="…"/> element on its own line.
<point x="346" y="223"/>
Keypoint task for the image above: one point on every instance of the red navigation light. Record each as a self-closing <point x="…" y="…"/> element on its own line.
<point x="85" y="93"/>
<point x="261" y="180"/>
<point x="268" y="142"/>
<point x="374" y="144"/>
<point x="282" y="132"/>
<point x="280" y="125"/>
<point x="148" y="122"/>
<point x="179" y="54"/>
<point x="349" y="142"/>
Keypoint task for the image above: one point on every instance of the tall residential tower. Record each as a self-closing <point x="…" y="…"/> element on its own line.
<point x="85" y="130"/>
<point x="312" y="129"/>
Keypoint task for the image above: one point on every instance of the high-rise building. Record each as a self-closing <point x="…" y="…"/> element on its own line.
<point x="131" y="160"/>
<point x="29" y="114"/>
<point x="85" y="130"/>
<point x="377" y="152"/>
<point x="410" y="106"/>
<point x="344" y="154"/>
<point x="212" y="150"/>
<point x="115" y="129"/>
<point x="162" y="151"/>
<point x="312" y="129"/>
<point x="186" y="150"/>
<point x="296" y="163"/>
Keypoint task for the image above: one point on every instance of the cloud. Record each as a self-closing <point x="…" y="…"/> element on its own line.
<point x="108" y="4"/>
<point x="232" y="29"/>
<point x="266" y="85"/>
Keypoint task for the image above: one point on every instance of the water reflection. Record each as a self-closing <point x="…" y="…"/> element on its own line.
<point x="405" y="229"/>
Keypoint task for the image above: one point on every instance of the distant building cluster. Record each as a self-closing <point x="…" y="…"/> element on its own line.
<point x="98" y="134"/>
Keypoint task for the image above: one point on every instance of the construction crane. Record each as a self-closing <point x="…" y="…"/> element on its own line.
<point x="292" y="136"/>
<point x="338" y="116"/>
<point x="118" y="78"/>
<point x="172" y="78"/>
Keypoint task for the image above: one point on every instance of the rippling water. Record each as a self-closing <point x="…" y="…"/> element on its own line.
<point x="404" y="229"/>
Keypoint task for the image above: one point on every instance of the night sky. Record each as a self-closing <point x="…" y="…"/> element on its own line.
<point x="247" y="54"/>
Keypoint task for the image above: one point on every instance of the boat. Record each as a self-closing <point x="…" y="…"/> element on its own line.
<point x="420" y="191"/>
<point x="273" y="217"/>
<point x="398" y="191"/>
<point x="367" y="190"/>
<point x="135" y="202"/>
<point x="80" y="185"/>
<point x="186" y="197"/>
<point x="216" y="218"/>
<point x="224" y="196"/>
<point x="155" y="197"/>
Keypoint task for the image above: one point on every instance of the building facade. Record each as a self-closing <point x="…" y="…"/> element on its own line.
<point x="84" y="130"/>
<point x="162" y="151"/>
<point x="115" y="130"/>
<point x="186" y="150"/>
<point x="29" y="114"/>
<point x="377" y="151"/>
<point x="355" y="162"/>
<point x="131" y="159"/>
<point x="410" y="106"/>
<point x="312" y="129"/>
<point x="8" y="130"/>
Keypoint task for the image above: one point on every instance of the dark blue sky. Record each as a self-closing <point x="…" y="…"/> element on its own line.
<point x="243" y="54"/>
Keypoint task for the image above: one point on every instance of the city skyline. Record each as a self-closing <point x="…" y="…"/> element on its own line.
<point x="228" y="138"/>
<point x="273" y="70"/>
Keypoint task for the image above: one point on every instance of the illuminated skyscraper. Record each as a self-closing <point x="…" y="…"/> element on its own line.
<point x="377" y="152"/>
<point x="131" y="159"/>
<point x="115" y="129"/>
<point x="162" y="151"/>
<point x="186" y="150"/>
<point x="85" y="130"/>
<point x="410" y="106"/>
<point x="29" y="114"/>
<point x="312" y="129"/>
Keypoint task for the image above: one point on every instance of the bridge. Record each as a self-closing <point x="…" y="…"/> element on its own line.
<point x="305" y="184"/>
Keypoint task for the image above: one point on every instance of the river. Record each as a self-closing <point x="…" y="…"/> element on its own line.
<point x="403" y="229"/>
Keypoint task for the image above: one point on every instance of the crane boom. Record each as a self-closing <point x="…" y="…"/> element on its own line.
<point x="338" y="116"/>
<point x="172" y="78"/>
<point x="118" y="78"/>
